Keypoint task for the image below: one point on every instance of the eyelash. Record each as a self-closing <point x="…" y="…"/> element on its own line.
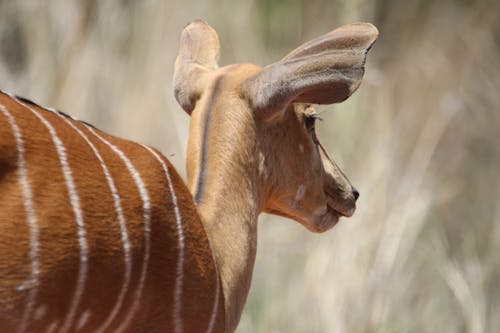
<point x="311" y="120"/>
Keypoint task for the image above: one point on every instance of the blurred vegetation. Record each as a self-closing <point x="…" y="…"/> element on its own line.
<point x="420" y="140"/>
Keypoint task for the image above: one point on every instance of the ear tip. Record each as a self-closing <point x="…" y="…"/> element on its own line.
<point x="370" y="31"/>
<point x="196" y="23"/>
<point x="200" y="26"/>
<point x="200" y="42"/>
<point x="364" y="31"/>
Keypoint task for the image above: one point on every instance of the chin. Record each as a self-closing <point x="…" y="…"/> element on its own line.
<point x="313" y="223"/>
<point x="322" y="223"/>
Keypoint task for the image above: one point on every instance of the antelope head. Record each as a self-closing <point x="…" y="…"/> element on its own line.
<point x="258" y="123"/>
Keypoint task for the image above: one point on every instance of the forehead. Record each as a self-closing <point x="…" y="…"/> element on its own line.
<point x="237" y="73"/>
<point x="234" y="77"/>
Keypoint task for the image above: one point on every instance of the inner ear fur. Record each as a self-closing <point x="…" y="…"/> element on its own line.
<point x="198" y="54"/>
<point x="325" y="70"/>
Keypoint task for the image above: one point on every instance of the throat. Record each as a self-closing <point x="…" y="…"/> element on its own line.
<point x="230" y="221"/>
<point x="229" y="206"/>
<point x="224" y="180"/>
<point x="206" y="121"/>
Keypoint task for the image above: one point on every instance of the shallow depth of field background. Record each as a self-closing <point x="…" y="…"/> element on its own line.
<point x="420" y="139"/>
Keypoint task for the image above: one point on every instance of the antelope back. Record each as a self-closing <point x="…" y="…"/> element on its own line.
<point x="97" y="233"/>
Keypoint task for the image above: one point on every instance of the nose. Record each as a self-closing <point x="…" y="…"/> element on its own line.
<point x="355" y="192"/>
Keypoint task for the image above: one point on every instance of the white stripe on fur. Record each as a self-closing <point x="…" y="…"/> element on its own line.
<point x="179" y="277"/>
<point x="121" y="222"/>
<point x="216" y="301"/>
<point x="75" y="205"/>
<point x="32" y="282"/>
<point x="146" y="204"/>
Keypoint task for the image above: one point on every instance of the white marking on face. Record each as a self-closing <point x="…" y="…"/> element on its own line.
<point x="146" y="206"/>
<point x="122" y="223"/>
<point x="32" y="282"/>
<point x="300" y="192"/>
<point x="301" y="148"/>
<point x="77" y="211"/>
<point x="83" y="319"/>
<point x="40" y="312"/>
<point x="176" y="313"/>
<point x="262" y="163"/>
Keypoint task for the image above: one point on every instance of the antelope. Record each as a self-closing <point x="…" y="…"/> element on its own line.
<point x="100" y="234"/>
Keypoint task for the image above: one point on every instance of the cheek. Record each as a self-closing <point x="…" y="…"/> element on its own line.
<point x="310" y="191"/>
<point x="314" y="165"/>
<point x="309" y="196"/>
<point x="308" y="175"/>
<point x="301" y="190"/>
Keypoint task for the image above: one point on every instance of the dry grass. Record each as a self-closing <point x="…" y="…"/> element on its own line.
<point x="420" y="140"/>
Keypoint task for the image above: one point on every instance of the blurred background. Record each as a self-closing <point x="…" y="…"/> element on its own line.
<point x="420" y="139"/>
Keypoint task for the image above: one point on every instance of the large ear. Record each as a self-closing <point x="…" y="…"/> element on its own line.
<point x="198" y="54"/>
<point x="325" y="70"/>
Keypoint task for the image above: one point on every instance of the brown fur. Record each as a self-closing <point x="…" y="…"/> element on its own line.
<point x="59" y="250"/>
<point x="251" y="149"/>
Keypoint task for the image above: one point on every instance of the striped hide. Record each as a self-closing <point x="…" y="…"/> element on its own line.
<point x="97" y="233"/>
<point x="100" y="234"/>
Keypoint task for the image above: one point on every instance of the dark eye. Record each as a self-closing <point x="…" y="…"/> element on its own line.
<point x="310" y="122"/>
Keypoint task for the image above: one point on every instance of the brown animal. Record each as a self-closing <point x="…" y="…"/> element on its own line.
<point x="100" y="234"/>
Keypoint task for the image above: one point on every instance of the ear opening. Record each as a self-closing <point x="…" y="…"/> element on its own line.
<point x="198" y="54"/>
<point x="325" y="70"/>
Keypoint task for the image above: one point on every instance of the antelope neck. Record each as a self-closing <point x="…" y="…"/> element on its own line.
<point x="206" y="130"/>
<point x="230" y="222"/>
<point x="225" y="184"/>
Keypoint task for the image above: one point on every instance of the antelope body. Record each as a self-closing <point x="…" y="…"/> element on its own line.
<point x="100" y="234"/>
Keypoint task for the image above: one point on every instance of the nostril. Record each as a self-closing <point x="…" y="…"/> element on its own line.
<point x="355" y="192"/>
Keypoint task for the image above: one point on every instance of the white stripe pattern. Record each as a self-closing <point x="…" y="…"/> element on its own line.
<point x="75" y="205"/>
<point x="122" y="223"/>
<point x="179" y="277"/>
<point x="146" y="204"/>
<point x="32" y="282"/>
<point x="216" y="301"/>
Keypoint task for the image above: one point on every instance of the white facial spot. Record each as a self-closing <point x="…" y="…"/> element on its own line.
<point x="40" y="312"/>
<point x="301" y="148"/>
<point x="261" y="163"/>
<point x="83" y="319"/>
<point x="300" y="192"/>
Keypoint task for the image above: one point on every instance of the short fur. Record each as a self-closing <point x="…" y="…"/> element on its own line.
<point x="58" y="242"/>
<point x="252" y="149"/>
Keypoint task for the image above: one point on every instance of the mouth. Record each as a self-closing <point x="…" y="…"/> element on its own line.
<point x="331" y="217"/>
<point x="318" y="221"/>
<point x="328" y="220"/>
<point x="343" y="212"/>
